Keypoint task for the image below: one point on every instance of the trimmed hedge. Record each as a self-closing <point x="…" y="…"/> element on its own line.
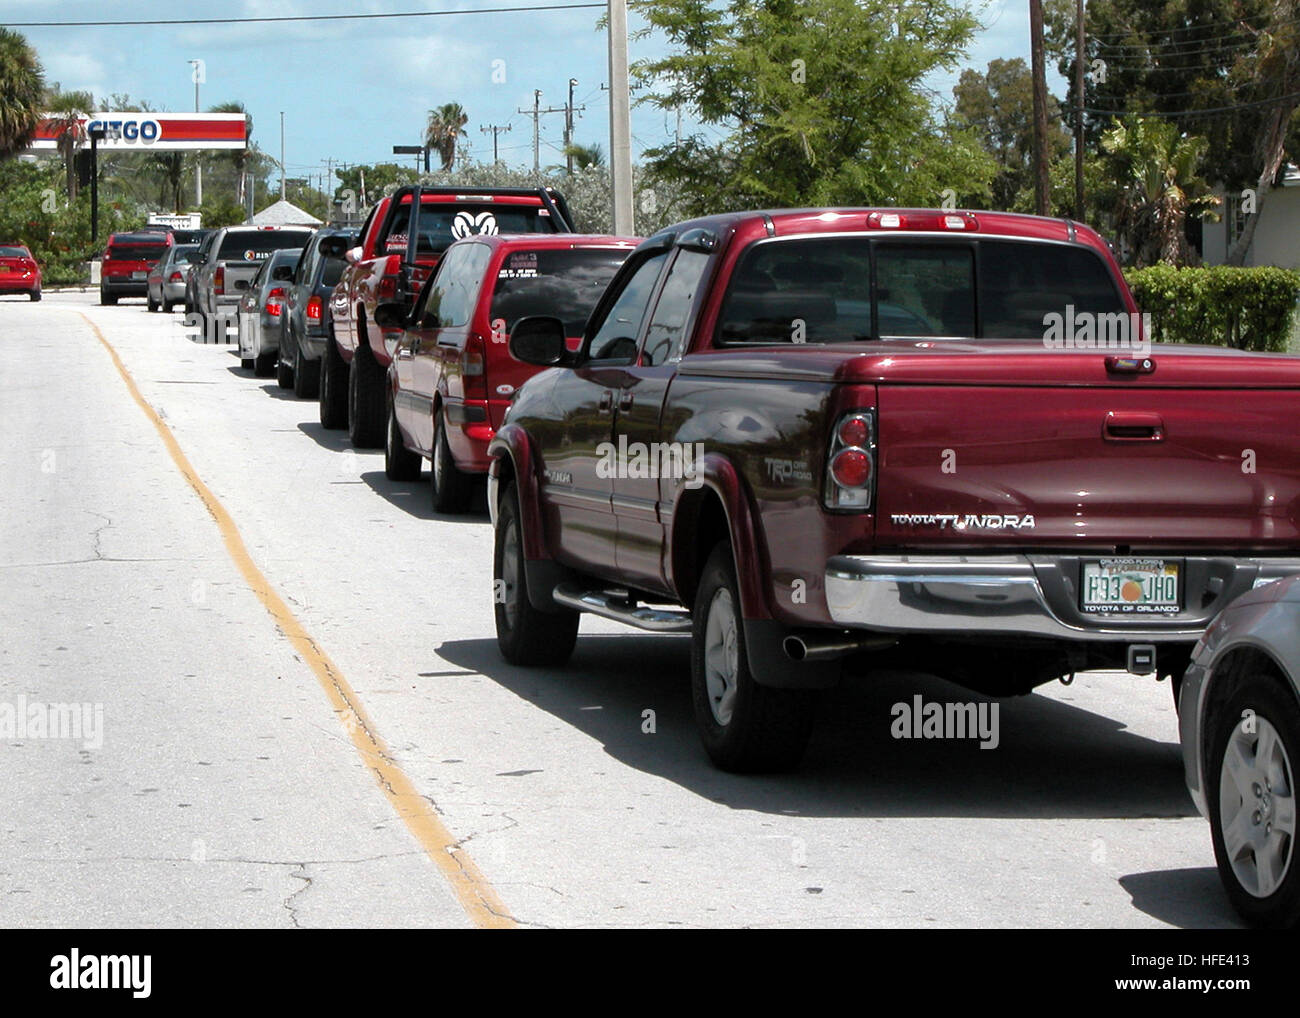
<point x="1221" y="305"/>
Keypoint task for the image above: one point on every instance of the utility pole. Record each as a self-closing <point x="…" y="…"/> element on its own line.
<point x="537" y="113"/>
<point x="1078" y="116"/>
<point x="620" y="120"/>
<point x="496" y="129"/>
<point x="282" y="155"/>
<point x="198" y="156"/>
<point x="568" y="127"/>
<point x="1042" y="188"/>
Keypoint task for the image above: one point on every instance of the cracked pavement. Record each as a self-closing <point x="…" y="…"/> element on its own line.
<point x="228" y="793"/>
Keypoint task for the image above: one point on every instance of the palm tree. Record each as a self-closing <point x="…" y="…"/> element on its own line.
<point x="443" y="129"/>
<point x="172" y="166"/>
<point x="22" y="93"/>
<point x="70" y="110"/>
<point x="238" y="156"/>
<point x="586" y="156"/>
<point x="1161" y="187"/>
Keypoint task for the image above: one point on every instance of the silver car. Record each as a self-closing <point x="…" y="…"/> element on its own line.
<point x="167" y="279"/>
<point x="260" y="310"/>
<point x="1239" y="715"/>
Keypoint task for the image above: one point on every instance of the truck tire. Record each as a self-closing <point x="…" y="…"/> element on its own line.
<point x="333" y="388"/>
<point x="525" y="635"/>
<point x="264" y="365"/>
<point x="306" y="374"/>
<point x="246" y="363"/>
<point x="366" y="400"/>
<point x="450" y="487"/>
<point x="745" y="727"/>
<point x="400" y="464"/>
<point x="283" y="373"/>
<point x="1253" y="740"/>
<point x="107" y="299"/>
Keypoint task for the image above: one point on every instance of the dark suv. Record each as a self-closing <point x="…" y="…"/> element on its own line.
<point x="306" y="310"/>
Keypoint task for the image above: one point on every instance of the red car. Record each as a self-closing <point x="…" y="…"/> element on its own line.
<point x="19" y="272"/>
<point x="452" y="377"/>
<point x="402" y="241"/>
<point x="127" y="261"/>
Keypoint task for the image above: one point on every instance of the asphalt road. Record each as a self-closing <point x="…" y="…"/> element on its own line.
<point x="230" y="784"/>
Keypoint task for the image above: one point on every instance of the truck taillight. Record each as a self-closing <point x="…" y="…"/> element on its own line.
<point x="314" y="307"/>
<point x="219" y="281"/>
<point x="473" y="366"/>
<point x="851" y="462"/>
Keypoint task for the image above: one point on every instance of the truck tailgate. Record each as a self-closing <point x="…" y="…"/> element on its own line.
<point x="1061" y="466"/>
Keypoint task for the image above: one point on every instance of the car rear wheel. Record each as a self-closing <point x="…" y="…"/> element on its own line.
<point x="36" y="295"/>
<point x="306" y="374"/>
<point x="451" y="488"/>
<point x="246" y="363"/>
<point x="264" y="365"/>
<point x="366" y="383"/>
<point x="1254" y="746"/>
<point x="152" y="304"/>
<point x="168" y="305"/>
<point x="745" y="727"/>
<point x="525" y="635"/>
<point x="107" y="299"/>
<point x="400" y="464"/>
<point x="283" y="373"/>
<point x="333" y="388"/>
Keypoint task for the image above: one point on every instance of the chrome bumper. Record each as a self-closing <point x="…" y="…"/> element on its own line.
<point x="1024" y="595"/>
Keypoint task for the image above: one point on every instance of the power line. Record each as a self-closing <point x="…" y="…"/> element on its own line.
<point x="1199" y="26"/>
<point x="1294" y="96"/>
<point x="296" y="17"/>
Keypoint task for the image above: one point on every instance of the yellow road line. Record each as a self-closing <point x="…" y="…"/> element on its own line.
<point x="468" y="883"/>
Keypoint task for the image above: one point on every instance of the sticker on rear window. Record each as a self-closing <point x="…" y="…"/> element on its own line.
<point x="467" y="224"/>
<point x="256" y="256"/>
<point x="520" y="265"/>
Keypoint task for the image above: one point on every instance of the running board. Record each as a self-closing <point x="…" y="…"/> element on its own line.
<point x="612" y="606"/>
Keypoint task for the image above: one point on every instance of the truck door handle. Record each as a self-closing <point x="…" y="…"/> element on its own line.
<point x="625" y="401"/>
<point x="1124" y="426"/>
<point x="606" y="401"/>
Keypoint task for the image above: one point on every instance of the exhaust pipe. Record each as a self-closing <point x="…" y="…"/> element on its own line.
<point x="828" y="646"/>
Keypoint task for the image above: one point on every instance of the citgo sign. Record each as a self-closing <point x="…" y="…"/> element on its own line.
<point x="154" y="131"/>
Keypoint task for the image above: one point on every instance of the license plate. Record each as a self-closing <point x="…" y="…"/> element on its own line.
<point x="4" y="268"/>
<point x="1130" y="585"/>
<point x="139" y="275"/>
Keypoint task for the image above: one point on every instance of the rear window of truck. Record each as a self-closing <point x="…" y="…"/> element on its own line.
<point x="819" y="290"/>
<point x="136" y="252"/>
<point x="560" y="283"/>
<point x="255" y="246"/>
<point x="443" y="222"/>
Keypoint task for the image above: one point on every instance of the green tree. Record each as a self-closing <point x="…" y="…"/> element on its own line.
<point x="586" y="155"/>
<point x="810" y="102"/>
<point x="22" y="93"/>
<point x="239" y="158"/>
<point x="364" y="184"/>
<point x="443" y="129"/>
<point x="69" y="112"/>
<point x="1161" y="188"/>
<point x="998" y="106"/>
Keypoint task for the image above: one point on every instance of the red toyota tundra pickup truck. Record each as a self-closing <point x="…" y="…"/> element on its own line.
<point x="402" y="240"/>
<point x="931" y="436"/>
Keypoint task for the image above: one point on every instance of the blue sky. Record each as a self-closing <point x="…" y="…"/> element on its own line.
<point x="352" y="90"/>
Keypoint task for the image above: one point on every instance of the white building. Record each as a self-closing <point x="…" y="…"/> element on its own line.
<point x="1277" y="236"/>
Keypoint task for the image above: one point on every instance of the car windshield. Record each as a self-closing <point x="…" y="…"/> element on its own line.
<point x="563" y="283"/>
<point x="14" y="252"/>
<point x="256" y="245"/>
<point x="444" y="222"/>
<point x="819" y="290"/>
<point x="183" y="255"/>
<point x="141" y="252"/>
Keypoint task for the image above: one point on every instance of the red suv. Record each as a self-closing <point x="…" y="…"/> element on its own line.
<point x="19" y="272"/>
<point x="127" y="261"/>
<point x="452" y="376"/>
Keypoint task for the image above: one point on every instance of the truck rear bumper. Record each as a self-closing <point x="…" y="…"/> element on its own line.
<point x="1025" y="595"/>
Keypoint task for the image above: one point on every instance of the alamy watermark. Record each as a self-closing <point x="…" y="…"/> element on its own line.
<point x="36" y="720"/>
<point x="1083" y="330"/>
<point x="645" y="461"/>
<point x="934" y="720"/>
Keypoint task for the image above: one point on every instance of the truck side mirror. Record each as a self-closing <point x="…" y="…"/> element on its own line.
<point x="390" y="315"/>
<point x="539" y="340"/>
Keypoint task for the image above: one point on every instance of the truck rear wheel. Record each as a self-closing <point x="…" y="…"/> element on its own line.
<point x="333" y="387"/>
<point x="525" y="635"/>
<point x="365" y="400"/>
<point x="745" y="727"/>
<point x="306" y="374"/>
